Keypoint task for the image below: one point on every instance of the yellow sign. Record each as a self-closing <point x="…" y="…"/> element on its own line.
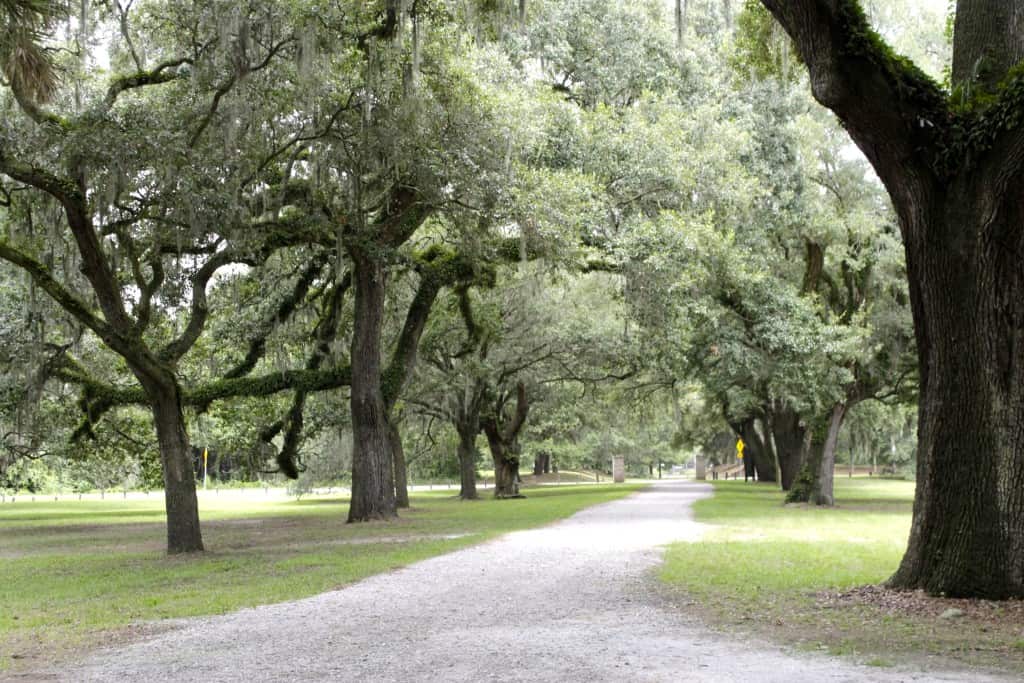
<point x="739" y="448"/>
<point x="205" y="453"/>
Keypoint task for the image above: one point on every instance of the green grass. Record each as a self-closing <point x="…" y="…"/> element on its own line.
<point x="78" y="572"/>
<point x="774" y="569"/>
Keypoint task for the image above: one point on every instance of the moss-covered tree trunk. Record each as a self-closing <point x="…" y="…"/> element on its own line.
<point x="502" y="432"/>
<point x="815" y="481"/>
<point x="956" y="178"/>
<point x="506" y="466"/>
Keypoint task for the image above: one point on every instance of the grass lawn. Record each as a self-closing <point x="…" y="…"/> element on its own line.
<point x="77" y="573"/>
<point x="792" y="575"/>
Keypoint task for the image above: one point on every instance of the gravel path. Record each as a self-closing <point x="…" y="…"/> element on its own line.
<point x="570" y="602"/>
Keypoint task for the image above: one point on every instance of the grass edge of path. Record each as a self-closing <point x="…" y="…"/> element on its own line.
<point x="796" y="576"/>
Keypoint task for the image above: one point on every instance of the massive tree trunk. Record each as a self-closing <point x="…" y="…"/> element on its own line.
<point x="183" y="533"/>
<point x="817" y="471"/>
<point x="503" y="439"/>
<point x="967" y="289"/>
<point x="788" y="433"/>
<point x="373" y="491"/>
<point x="956" y="180"/>
<point x="506" y="466"/>
<point x="465" y="415"/>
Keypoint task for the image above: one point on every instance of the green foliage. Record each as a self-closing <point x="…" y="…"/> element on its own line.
<point x="803" y="486"/>
<point x="582" y="138"/>
<point x="600" y="52"/>
<point x="762" y="50"/>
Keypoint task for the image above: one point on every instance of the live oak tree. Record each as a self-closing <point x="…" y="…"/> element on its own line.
<point x="109" y="181"/>
<point x="345" y="170"/>
<point x="952" y="164"/>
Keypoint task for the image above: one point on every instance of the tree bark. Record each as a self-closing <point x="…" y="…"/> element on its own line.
<point x="506" y="466"/>
<point x="986" y="50"/>
<point x="680" y="17"/>
<point x="757" y="453"/>
<point x="823" y="492"/>
<point x="956" y="182"/>
<point x="180" y="502"/>
<point x="467" y="461"/>
<point x="967" y="537"/>
<point x="503" y="439"/>
<point x="401" y="471"/>
<point x="541" y="463"/>
<point x="788" y="432"/>
<point x="373" y="491"/>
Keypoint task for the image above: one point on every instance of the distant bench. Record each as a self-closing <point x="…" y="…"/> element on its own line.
<point x="725" y="471"/>
<point x="735" y="470"/>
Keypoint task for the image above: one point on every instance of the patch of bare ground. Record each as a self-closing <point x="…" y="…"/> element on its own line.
<point x="987" y="632"/>
<point x="880" y="627"/>
<point x="1001" y="613"/>
<point x="37" y="660"/>
<point x="911" y="625"/>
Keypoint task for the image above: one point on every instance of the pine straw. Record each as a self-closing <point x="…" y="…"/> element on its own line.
<point x="1003" y="613"/>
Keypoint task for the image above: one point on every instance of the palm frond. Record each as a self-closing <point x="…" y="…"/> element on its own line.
<point x="26" y="64"/>
<point x="29" y="69"/>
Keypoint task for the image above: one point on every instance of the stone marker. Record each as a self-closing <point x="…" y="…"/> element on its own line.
<point x="619" y="469"/>
<point x="702" y="473"/>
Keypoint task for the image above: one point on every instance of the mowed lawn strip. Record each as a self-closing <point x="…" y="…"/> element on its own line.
<point x="790" y="574"/>
<point x="77" y="573"/>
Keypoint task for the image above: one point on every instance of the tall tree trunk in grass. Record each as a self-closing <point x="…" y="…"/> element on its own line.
<point x="119" y="331"/>
<point x="464" y="412"/>
<point x="815" y="481"/>
<point x="374" y="391"/>
<point x="788" y="431"/>
<point x="467" y="454"/>
<point x="823" y="492"/>
<point x="506" y="466"/>
<point x="181" y="504"/>
<point x="955" y="173"/>
<point x="373" y="489"/>
<point x="401" y="471"/>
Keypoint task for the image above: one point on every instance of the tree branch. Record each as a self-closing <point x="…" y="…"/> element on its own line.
<point x="157" y="76"/>
<point x="892" y="110"/>
<point x="65" y="299"/>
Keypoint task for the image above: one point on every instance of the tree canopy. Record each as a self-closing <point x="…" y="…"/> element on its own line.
<point x="568" y="230"/>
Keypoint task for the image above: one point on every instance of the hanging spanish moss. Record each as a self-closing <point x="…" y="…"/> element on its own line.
<point x="308" y="51"/>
